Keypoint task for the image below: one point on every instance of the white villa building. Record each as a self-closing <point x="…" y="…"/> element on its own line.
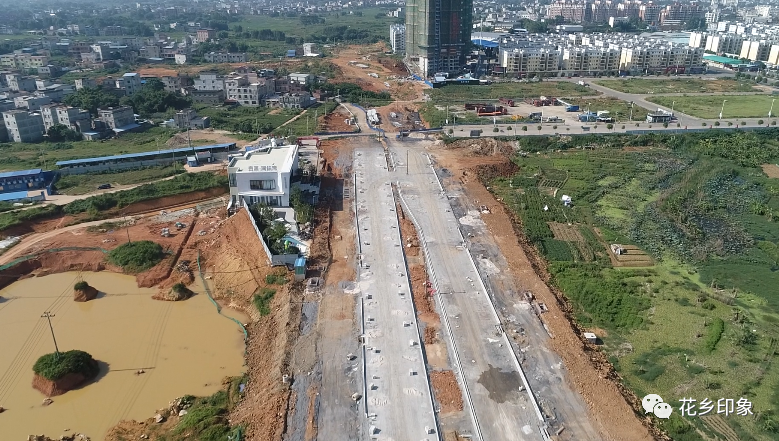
<point x="263" y="175"/>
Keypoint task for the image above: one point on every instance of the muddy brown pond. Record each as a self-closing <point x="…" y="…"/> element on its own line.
<point x="183" y="347"/>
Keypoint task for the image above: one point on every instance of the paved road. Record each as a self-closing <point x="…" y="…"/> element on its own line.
<point x="398" y="399"/>
<point x="493" y="382"/>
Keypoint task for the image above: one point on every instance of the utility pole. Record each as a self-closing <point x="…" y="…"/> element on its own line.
<point x="126" y="225"/>
<point x="47" y="315"/>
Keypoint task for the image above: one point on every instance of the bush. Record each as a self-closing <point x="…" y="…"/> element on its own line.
<point x="495" y="129"/>
<point x="182" y="289"/>
<point x="704" y="124"/>
<point x="524" y="128"/>
<point x="716" y="123"/>
<point x="262" y="300"/>
<point x="275" y="279"/>
<point x="773" y="123"/>
<point x="760" y="122"/>
<point x="136" y="256"/>
<point x="53" y="366"/>
<point x="714" y="334"/>
<point x="81" y="286"/>
<point x="730" y="123"/>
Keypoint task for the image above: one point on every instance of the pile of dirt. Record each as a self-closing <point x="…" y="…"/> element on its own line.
<point x="447" y="391"/>
<point x="177" y="293"/>
<point x="483" y="146"/>
<point x="84" y="294"/>
<point x="336" y="121"/>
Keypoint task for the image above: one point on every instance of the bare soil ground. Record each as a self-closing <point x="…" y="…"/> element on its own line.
<point x="198" y="136"/>
<point x="614" y="407"/>
<point x="373" y="56"/>
<point x="771" y="170"/>
<point x="335" y="121"/>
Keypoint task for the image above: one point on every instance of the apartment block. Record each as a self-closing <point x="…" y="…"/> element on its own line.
<point x="209" y="81"/>
<point x="398" y="38"/>
<point x="116" y="117"/>
<point x="130" y="83"/>
<point x="24" y="126"/>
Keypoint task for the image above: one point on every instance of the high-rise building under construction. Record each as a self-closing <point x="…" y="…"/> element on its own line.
<point x="438" y="33"/>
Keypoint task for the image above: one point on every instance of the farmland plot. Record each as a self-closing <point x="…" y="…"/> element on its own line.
<point x="696" y="215"/>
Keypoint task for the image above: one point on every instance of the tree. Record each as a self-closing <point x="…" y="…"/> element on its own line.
<point x="91" y="99"/>
<point x="153" y="98"/>
<point x="61" y="132"/>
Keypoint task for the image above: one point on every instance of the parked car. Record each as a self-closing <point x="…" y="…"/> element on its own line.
<point x="103" y="186"/>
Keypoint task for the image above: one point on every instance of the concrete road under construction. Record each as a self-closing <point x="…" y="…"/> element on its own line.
<point x="498" y="395"/>
<point x="398" y="402"/>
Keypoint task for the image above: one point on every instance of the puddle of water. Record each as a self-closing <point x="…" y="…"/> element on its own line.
<point x="501" y="385"/>
<point x="184" y="347"/>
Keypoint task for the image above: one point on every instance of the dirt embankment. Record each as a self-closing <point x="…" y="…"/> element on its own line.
<point x="237" y="265"/>
<point x="615" y="406"/>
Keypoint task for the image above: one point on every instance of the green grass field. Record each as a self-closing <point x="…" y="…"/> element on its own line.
<point x="620" y="110"/>
<point x="463" y="94"/>
<point x="17" y="156"/>
<point x="736" y="106"/>
<point x="700" y="320"/>
<point x="676" y="85"/>
<point x="87" y="183"/>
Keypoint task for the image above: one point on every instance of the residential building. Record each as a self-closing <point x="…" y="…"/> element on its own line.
<point x="31" y="103"/>
<point x="210" y="81"/>
<point x="117" y="117"/>
<point x="175" y="84"/>
<point x="73" y="118"/>
<point x="18" y="83"/>
<point x="755" y="50"/>
<point x="650" y="13"/>
<point x="205" y="35"/>
<point x="188" y="119"/>
<point x="298" y="100"/>
<point x="130" y="83"/>
<point x="398" y="38"/>
<point x="438" y="34"/>
<point x="263" y="176"/>
<point x="211" y="97"/>
<point x="180" y="59"/>
<point x="24" y="126"/>
<point x="531" y="61"/>
<point x="23" y="61"/>
<point x="301" y="79"/>
<point x="571" y="11"/>
<point x="85" y="82"/>
<point x="242" y="92"/>
<point x="226" y="57"/>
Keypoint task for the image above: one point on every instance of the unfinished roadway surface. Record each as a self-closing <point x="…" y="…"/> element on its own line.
<point x="398" y="404"/>
<point x="494" y="373"/>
